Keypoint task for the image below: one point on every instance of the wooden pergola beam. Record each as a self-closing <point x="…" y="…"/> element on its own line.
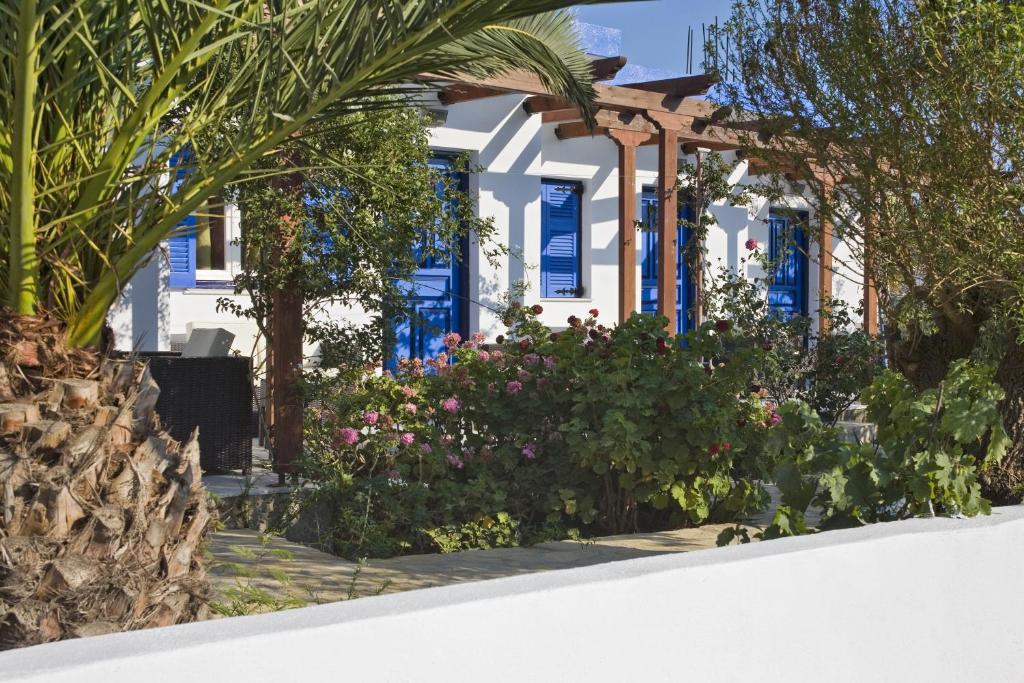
<point x="578" y="129"/>
<point x="606" y="120"/>
<point x="461" y="92"/>
<point x="560" y="115"/>
<point x="539" y="104"/>
<point x="683" y="86"/>
<point x="607" y="96"/>
<point x="605" y="68"/>
<point x="602" y="69"/>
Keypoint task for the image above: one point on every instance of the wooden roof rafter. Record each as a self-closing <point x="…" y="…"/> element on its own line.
<point x="681" y="86"/>
<point x="603" y="68"/>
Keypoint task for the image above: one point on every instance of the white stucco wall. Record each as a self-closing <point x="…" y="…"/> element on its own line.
<point x="921" y="600"/>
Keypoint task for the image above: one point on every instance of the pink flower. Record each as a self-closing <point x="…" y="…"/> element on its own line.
<point x="479" y="337"/>
<point x="455" y="461"/>
<point x="452" y="339"/>
<point x="524" y="375"/>
<point x="491" y="387"/>
<point x="549" y="362"/>
<point x="426" y="448"/>
<point x="469" y="345"/>
<point x="483" y="356"/>
<point x="750" y="244"/>
<point x="370" y="417"/>
<point x="497" y="356"/>
<point x="410" y="408"/>
<point x="531" y="359"/>
<point x="393" y="475"/>
<point x="348" y="436"/>
<point x="774" y="419"/>
<point x="514" y="387"/>
<point x="407" y="439"/>
<point x="408" y="391"/>
<point x="529" y="451"/>
<point x="451" y="405"/>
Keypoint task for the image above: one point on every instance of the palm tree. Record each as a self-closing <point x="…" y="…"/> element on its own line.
<point x="97" y="97"/>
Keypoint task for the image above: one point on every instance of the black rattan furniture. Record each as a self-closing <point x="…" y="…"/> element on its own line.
<point x="213" y="394"/>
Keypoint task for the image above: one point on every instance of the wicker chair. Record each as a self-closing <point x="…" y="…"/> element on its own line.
<point x="213" y="394"/>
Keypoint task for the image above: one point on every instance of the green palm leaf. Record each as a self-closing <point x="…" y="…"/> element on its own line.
<point x="102" y="93"/>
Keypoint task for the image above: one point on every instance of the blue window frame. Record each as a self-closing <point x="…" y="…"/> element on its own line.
<point x="787" y="249"/>
<point x="561" y="230"/>
<point x="181" y="245"/>
<point x="437" y="291"/>
<point x="649" y="260"/>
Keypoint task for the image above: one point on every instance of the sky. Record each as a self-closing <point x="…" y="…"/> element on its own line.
<point x="654" y="31"/>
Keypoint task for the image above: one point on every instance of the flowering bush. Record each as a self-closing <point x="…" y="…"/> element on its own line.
<point x="596" y="429"/>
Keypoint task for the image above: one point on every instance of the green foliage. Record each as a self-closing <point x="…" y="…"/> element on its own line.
<point x="253" y="572"/>
<point x="929" y="449"/>
<point x="363" y="202"/>
<point x="827" y="371"/>
<point x="919" y="108"/>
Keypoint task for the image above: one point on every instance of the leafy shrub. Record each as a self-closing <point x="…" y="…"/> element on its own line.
<point x="594" y="428"/>
<point x="926" y="458"/>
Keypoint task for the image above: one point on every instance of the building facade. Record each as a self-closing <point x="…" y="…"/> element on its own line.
<point x="556" y="205"/>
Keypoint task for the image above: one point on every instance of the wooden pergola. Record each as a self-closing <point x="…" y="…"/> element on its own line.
<point x="669" y="113"/>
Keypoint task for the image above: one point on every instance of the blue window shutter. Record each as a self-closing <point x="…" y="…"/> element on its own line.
<point x="560" y="239"/>
<point x="181" y="245"/>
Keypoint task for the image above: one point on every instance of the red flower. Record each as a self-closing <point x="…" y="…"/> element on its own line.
<point x="713" y="449"/>
<point x="574" y="321"/>
<point x="593" y="312"/>
<point x="500" y="339"/>
<point x="726" y="446"/>
<point x="751" y="244"/>
<point x="524" y="344"/>
<point x="722" y="325"/>
<point x="537" y="309"/>
<point x="662" y="345"/>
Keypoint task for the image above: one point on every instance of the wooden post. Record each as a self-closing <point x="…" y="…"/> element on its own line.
<point x="825" y="251"/>
<point x="627" y="142"/>
<point x="288" y="333"/>
<point x="287" y="330"/>
<point x="668" y="212"/>
<point x="870" y="291"/>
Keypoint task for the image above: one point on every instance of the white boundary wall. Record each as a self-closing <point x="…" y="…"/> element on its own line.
<point x="934" y="599"/>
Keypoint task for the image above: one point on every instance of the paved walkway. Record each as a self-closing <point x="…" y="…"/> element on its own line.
<point x="316" y="577"/>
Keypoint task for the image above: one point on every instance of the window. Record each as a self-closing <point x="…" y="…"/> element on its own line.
<point x="210" y="235"/>
<point x="198" y="248"/>
<point x="560" y="228"/>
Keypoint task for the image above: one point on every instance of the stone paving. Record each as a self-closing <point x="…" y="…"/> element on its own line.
<point x="317" y="577"/>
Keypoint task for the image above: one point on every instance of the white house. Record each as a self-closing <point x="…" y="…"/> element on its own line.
<point x="555" y="203"/>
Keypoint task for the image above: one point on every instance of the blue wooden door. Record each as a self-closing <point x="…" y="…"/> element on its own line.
<point x="649" y="261"/>
<point x="436" y="292"/>
<point x="787" y="249"/>
<point x="181" y="245"/>
<point x="560" y="224"/>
